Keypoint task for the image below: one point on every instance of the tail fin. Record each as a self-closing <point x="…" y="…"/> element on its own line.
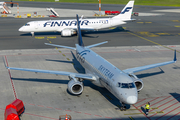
<point x="127" y="11"/>
<point x="80" y="42"/>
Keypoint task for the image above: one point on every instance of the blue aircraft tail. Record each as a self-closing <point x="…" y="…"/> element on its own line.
<point x="80" y="42"/>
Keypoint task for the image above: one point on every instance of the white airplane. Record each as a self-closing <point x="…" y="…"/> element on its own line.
<point x="68" y="27"/>
<point x="121" y="83"/>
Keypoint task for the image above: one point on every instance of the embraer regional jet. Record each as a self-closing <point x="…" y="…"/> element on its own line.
<point x="123" y="84"/>
<point x="68" y="27"/>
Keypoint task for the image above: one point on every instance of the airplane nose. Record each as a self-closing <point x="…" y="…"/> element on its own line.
<point x="131" y="100"/>
<point x="21" y="29"/>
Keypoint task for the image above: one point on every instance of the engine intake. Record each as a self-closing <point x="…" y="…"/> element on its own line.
<point x="74" y="86"/>
<point x="138" y="82"/>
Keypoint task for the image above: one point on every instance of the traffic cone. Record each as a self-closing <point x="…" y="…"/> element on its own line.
<point x="66" y="118"/>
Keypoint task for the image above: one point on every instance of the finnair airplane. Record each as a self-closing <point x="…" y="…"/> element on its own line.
<point x="121" y="83"/>
<point x="68" y="27"/>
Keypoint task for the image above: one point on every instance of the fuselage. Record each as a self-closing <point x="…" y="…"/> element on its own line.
<point x="116" y="81"/>
<point x="59" y="25"/>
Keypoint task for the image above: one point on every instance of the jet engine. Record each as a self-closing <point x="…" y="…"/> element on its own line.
<point x="74" y="86"/>
<point x="138" y="82"/>
<point x="68" y="32"/>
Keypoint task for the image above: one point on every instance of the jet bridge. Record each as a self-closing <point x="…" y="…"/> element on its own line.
<point x="5" y="8"/>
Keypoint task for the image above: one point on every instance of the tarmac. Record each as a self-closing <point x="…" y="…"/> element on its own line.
<point x="46" y="97"/>
<point x="150" y="39"/>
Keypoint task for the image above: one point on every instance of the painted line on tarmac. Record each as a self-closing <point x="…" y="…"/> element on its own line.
<point x="48" y="107"/>
<point x="109" y="97"/>
<point x="13" y="87"/>
<point x="151" y="41"/>
<point x="166" y="108"/>
<point x="39" y="37"/>
<point x="141" y="100"/>
<point x="56" y="47"/>
<point x="138" y="113"/>
<point x="40" y="116"/>
<point x="176" y="21"/>
<point x="168" y="112"/>
<point x="165" y="104"/>
<point x="161" y="100"/>
<point x="168" y="101"/>
<point x="142" y="112"/>
<point x="131" y="118"/>
<point x="148" y="101"/>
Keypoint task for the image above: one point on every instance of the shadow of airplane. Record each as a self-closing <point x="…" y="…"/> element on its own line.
<point x="176" y="96"/>
<point x="149" y="74"/>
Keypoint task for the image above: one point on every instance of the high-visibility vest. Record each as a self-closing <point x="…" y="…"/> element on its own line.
<point x="147" y="106"/>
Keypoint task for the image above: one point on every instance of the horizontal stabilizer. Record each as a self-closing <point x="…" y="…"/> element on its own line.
<point x="94" y="45"/>
<point x="73" y="48"/>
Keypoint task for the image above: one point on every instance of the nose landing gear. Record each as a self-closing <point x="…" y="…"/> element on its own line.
<point x="32" y="33"/>
<point x="123" y="107"/>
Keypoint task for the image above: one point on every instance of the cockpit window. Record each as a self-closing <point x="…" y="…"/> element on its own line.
<point x="126" y="85"/>
<point x="27" y="24"/>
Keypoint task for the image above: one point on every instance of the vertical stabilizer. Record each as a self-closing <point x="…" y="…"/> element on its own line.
<point x="126" y="12"/>
<point x="80" y="42"/>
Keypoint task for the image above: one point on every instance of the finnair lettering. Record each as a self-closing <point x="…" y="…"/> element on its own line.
<point x="106" y="72"/>
<point x="64" y="23"/>
<point x="126" y="10"/>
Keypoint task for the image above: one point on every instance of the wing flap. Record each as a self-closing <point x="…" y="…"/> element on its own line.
<point x="78" y="75"/>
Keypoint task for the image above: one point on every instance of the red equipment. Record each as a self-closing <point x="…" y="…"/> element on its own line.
<point x="17" y="105"/>
<point x="112" y="12"/>
<point x="11" y="114"/>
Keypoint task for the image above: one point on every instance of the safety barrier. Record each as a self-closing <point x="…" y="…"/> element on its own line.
<point x="13" y="110"/>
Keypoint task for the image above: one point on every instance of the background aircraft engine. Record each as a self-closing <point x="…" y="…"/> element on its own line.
<point x="139" y="84"/>
<point x="74" y="86"/>
<point x="68" y="32"/>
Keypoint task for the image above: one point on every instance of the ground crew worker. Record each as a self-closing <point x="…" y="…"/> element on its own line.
<point x="147" y="106"/>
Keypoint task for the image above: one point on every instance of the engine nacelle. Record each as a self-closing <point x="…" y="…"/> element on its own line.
<point x="74" y="86"/>
<point x="138" y="82"/>
<point x="68" y="32"/>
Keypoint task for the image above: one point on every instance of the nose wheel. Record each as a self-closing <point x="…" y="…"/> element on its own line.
<point x="123" y="107"/>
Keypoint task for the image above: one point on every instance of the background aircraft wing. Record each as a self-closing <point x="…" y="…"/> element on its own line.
<point x="78" y="75"/>
<point x="138" y="69"/>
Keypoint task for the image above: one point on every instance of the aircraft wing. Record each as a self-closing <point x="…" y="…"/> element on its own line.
<point x="78" y="75"/>
<point x="138" y="69"/>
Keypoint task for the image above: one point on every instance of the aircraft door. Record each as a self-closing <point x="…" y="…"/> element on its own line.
<point x="36" y="24"/>
<point x="111" y="21"/>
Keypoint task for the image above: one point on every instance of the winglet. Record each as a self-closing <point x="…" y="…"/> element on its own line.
<point x="175" y="59"/>
<point x="80" y="42"/>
